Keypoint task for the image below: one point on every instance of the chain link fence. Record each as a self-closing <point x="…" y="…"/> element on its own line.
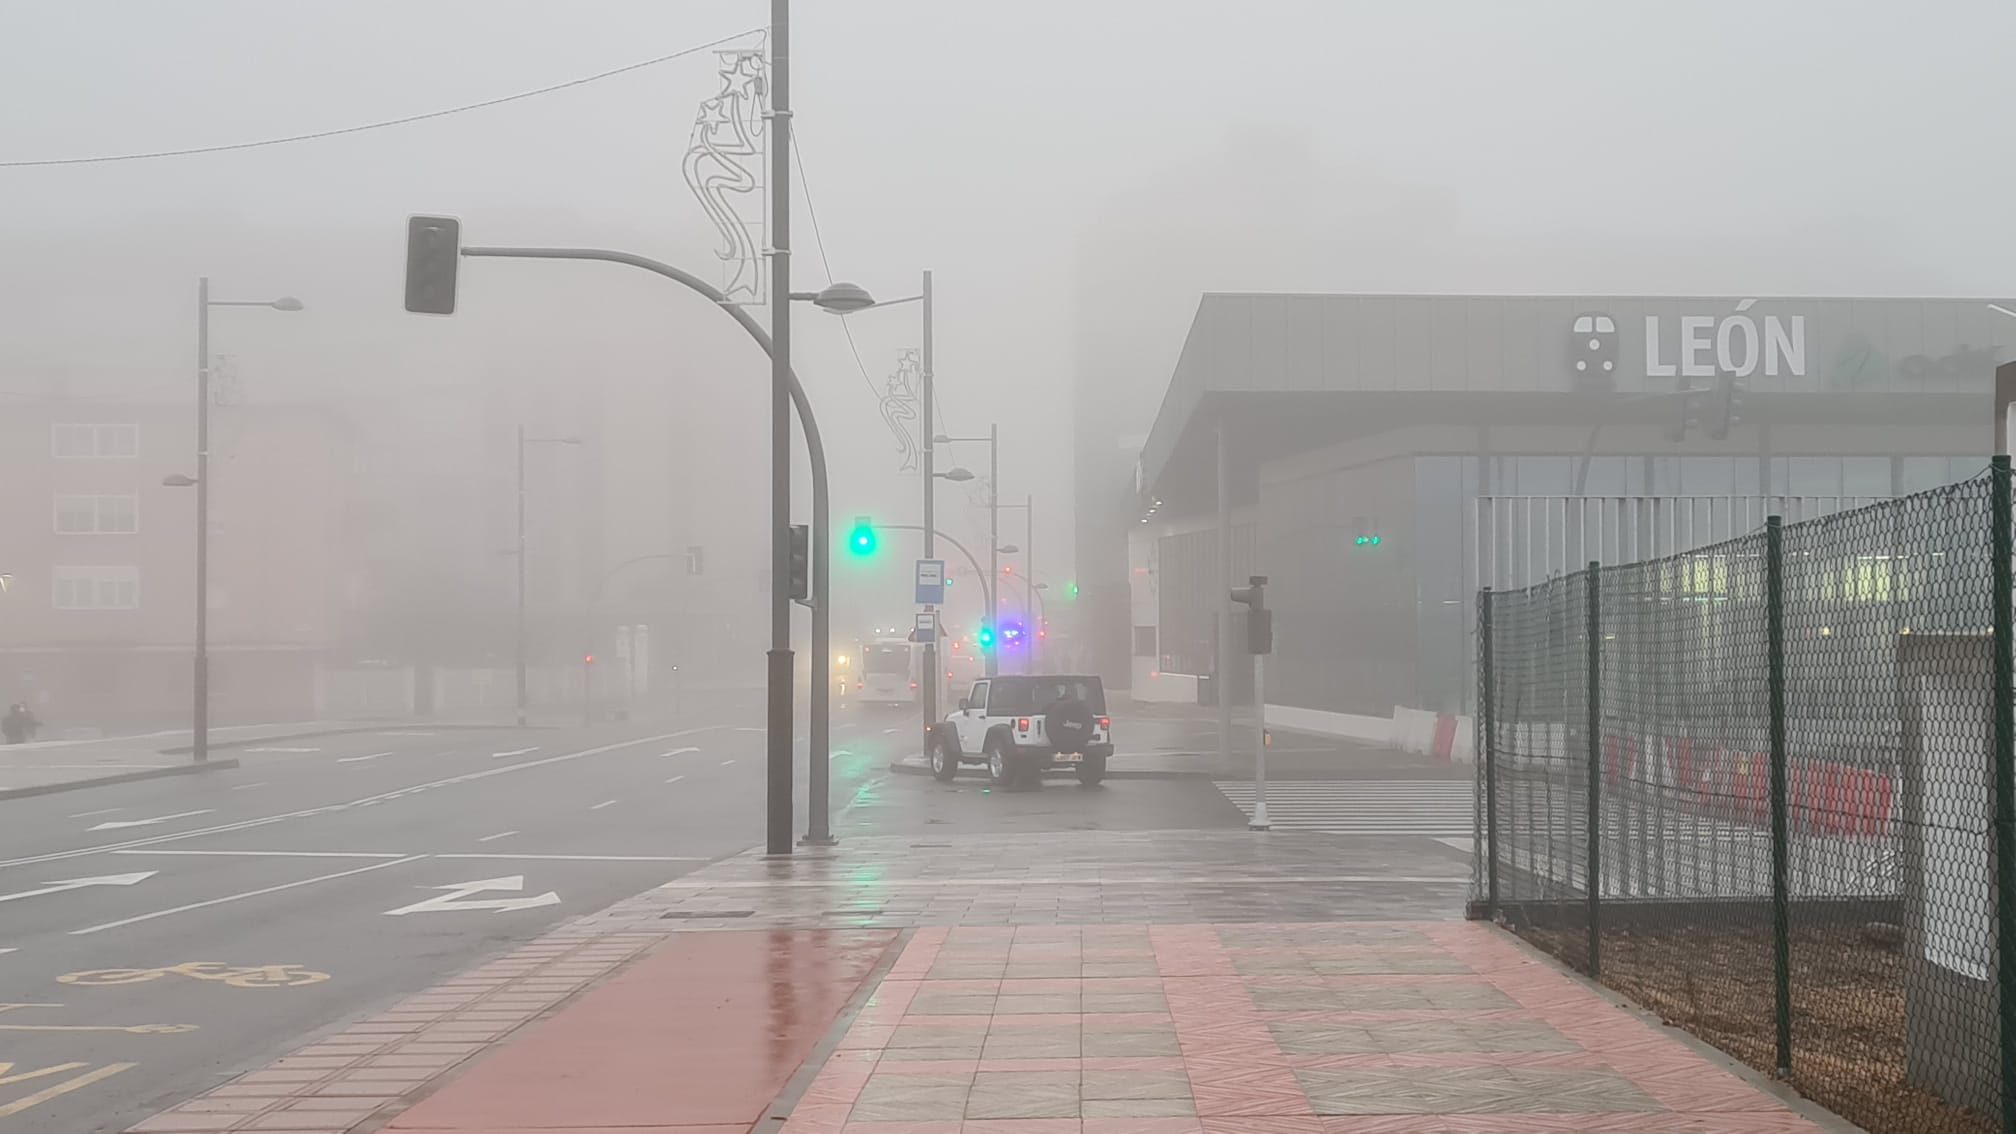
<point x="1764" y="788"/>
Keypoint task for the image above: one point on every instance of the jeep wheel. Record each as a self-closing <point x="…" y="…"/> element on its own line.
<point x="1092" y="771"/>
<point x="944" y="765"/>
<point x="1001" y="767"/>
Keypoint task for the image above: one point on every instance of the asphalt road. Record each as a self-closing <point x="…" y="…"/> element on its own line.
<point x="300" y="859"/>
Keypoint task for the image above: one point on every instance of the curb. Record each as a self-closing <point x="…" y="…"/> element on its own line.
<point x="903" y="769"/>
<point x="247" y="742"/>
<point x="121" y="778"/>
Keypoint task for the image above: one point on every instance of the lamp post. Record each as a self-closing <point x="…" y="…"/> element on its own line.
<point x="1028" y="507"/>
<point x="522" y="442"/>
<point x="200" y="712"/>
<point x="842" y="298"/>
<point x="993" y="440"/>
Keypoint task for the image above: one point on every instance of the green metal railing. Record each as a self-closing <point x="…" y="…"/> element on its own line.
<point x="1768" y="789"/>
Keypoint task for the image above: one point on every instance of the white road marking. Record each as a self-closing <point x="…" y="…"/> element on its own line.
<point x="583" y="857"/>
<point x="115" y="824"/>
<point x="100" y="811"/>
<point x="679" y="751"/>
<point x="745" y="728"/>
<point x="458" y="898"/>
<point x="728" y="761"/>
<point x="675" y="779"/>
<point x="247" y="787"/>
<point x="887" y="731"/>
<point x="10" y="950"/>
<point x="247" y="824"/>
<point x="283" y="750"/>
<point x="1467" y="846"/>
<point x="495" y="837"/>
<point x="246" y="894"/>
<point x="274" y="853"/>
<point x="514" y="752"/>
<point x="354" y="759"/>
<point x="603" y="804"/>
<point x="80" y="883"/>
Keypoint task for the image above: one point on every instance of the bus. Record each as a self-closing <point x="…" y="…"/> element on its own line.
<point x="888" y="674"/>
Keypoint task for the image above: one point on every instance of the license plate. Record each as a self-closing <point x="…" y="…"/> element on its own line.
<point x="1069" y="757"/>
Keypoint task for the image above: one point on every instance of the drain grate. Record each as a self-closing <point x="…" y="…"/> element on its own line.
<point x="703" y="915"/>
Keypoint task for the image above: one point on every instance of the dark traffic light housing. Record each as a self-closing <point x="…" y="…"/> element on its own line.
<point x="433" y="257"/>
<point x="801" y="563"/>
<point x="1259" y="620"/>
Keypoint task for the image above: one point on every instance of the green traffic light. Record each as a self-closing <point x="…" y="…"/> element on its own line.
<point x="1368" y="541"/>
<point x="985" y="637"/>
<point x="861" y="541"/>
<point x="1070" y="590"/>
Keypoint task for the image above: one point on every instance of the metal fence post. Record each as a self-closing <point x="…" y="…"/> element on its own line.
<point x="1781" y="856"/>
<point x="2004" y="753"/>
<point x="1594" y="744"/>
<point x="1487" y="711"/>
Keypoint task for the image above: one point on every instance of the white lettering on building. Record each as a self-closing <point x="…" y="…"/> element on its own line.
<point x="1706" y="345"/>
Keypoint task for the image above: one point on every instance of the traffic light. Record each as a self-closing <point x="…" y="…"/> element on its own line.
<point x="862" y="540"/>
<point x="1687" y="413"/>
<point x="1725" y="406"/>
<point x="433" y="256"/>
<point x="801" y="563"/>
<point x="984" y="637"/>
<point x="1259" y="620"/>
<point x="1366" y="541"/>
<point x="1071" y="590"/>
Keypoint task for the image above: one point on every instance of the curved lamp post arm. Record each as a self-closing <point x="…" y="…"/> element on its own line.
<point x="972" y="562"/>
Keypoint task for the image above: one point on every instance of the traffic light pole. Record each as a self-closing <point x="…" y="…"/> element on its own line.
<point x="777" y="825"/>
<point x="994" y="545"/>
<point x="931" y="685"/>
<point x="821" y="529"/>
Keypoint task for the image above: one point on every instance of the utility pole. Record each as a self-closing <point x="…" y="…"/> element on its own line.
<point x="930" y="431"/>
<point x="1029" y="565"/>
<point x="777" y="826"/>
<point x="994" y="546"/>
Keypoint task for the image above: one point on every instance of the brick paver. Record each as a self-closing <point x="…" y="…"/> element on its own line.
<point x="1348" y="1028"/>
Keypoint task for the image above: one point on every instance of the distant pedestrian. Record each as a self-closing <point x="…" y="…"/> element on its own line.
<point x="19" y="724"/>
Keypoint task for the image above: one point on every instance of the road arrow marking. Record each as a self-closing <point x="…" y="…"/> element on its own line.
<point x="80" y="883"/>
<point x="459" y="892"/>
<point x="115" y="824"/>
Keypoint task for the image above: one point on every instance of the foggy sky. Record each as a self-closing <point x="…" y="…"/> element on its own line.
<point x="1075" y="172"/>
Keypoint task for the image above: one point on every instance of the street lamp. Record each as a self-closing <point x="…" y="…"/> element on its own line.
<point x="993" y="440"/>
<point x="200" y="742"/>
<point x="522" y="442"/>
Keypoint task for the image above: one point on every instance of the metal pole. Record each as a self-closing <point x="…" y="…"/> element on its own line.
<point x="994" y="546"/>
<point x="1259" y="822"/>
<point x="1029" y="577"/>
<point x="1781" y="860"/>
<point x="1487" y="712"/>
<point x="2004" y="755"/>
<point x="1593" y="746"/>
<point x="200" y="723"/>
<point x="777" y="825"/>
<point x="818" y="757"/>
<point x="1221" y="680"/>
<point x="930" y="686"/>
<point x="521" y="577"/>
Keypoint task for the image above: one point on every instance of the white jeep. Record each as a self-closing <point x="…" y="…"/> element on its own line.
<point x="1021" y="726"/>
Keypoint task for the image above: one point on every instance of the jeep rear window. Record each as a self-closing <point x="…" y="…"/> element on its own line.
<point x="1034" y="695"/>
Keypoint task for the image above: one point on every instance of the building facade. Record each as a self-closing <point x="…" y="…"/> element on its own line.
<point x="1359" y="434"/>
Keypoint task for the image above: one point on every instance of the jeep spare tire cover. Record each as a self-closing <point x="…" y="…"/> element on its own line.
<point x="1068" y="723"/>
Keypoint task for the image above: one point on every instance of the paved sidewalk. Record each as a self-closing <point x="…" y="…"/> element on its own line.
<point x="1164" y="982"/>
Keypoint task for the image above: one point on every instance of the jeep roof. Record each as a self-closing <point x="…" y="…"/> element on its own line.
<point x="1011" y="693"/>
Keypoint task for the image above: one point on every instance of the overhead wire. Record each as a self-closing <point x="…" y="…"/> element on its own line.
<point x="819" y="240"/>
<point x="316" y="135"/>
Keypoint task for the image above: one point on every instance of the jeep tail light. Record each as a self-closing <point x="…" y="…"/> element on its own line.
<point x="913" y="685"/>
<point x="1022" y="723"/>
<point x="1105" y="722"/>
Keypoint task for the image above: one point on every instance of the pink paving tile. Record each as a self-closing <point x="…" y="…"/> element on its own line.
<point x="946" y="1126"/>
<point x="1279" y="1124"/>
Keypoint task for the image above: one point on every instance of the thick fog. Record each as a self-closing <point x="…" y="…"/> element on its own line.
<point x="1075" y="172"/>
